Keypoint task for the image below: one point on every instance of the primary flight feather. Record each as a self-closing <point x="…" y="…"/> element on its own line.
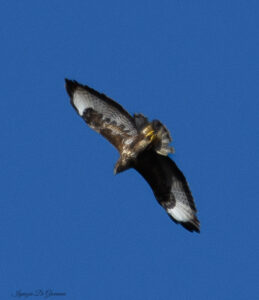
<point x="143" y="145"/>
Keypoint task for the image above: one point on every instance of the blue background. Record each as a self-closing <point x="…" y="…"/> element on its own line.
<point x="68" y="224"/>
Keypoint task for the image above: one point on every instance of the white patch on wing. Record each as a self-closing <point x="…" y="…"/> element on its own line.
<point x="81" y="103"/>
<point x="83" y="100"/>
<point x="180" y="212"/>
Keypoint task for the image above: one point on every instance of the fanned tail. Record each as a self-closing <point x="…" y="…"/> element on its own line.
<point x="164" y="138"/>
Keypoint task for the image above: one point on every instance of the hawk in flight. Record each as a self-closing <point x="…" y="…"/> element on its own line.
<point x="142" y="145"/>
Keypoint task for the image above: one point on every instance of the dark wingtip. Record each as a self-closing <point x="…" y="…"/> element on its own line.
<point x="193" y="225"/>
<point x="71" y="85"/>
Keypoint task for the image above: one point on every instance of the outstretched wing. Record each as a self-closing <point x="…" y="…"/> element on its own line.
<point x="102" y="114"/>
<point x="170" y="188"/>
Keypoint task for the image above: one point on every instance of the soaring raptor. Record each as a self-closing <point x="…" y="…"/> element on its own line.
<point x="142" y="145"/>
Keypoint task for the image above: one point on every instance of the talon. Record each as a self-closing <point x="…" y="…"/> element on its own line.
<point x="149" y="132"/>
<point x="151" y="135"/>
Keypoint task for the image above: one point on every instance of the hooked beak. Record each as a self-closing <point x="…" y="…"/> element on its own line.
<point x="117" y="169"/>
<point x="120" y="167"/>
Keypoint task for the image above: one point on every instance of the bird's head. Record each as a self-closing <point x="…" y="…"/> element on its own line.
<point x="121" y="165"/>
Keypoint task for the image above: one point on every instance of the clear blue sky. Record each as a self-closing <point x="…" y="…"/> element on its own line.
<point x="68" y="224"/>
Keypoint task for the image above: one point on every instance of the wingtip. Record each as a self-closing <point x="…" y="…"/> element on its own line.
<point x="192" y="226"/>
<point x="70" y="85"/>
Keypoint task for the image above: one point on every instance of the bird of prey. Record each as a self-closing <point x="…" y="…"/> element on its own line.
<point x="142" y="145"/>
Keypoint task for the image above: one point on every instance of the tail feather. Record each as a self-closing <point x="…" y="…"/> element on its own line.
<point x="141" y="121"/>
<point x="164" y="138"/>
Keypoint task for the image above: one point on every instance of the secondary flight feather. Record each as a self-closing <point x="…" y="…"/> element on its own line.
<point x="142" y="145"/>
